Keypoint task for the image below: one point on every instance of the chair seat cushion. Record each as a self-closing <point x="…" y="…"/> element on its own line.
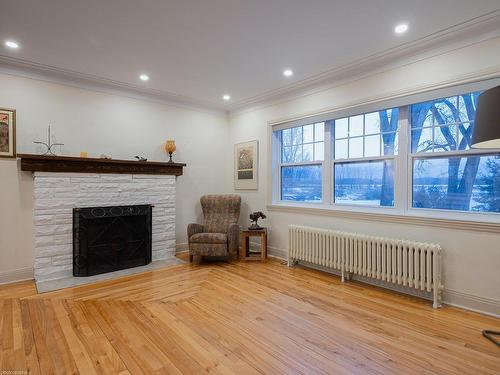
<point x="209" y="238"/>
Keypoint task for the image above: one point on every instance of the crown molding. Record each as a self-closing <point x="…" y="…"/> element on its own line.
<point x="24" y="68"/>
<point x="458" y="36"/>
<point x="492" y="73"/>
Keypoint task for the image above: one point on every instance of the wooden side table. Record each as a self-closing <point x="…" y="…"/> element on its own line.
<point x="245" y="243"/>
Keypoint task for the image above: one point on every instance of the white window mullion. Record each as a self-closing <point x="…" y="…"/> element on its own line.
<point x="327" y="172"/>
<point x="332" y="182"/>
<point x="367" y="159"/>
<point x="402" y="171"/>
<point x="274" y="195"/>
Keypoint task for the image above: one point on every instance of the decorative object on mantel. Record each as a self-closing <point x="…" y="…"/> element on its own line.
<point x="246" y="163"/>
<point x="255" y="216"/>
<point x="140" y="158"/>
<point x="170" y="148"/>
<point x="84" y="154"/>
<point x="49" y="145"/>
<point x="7" y="133"/>
<point x="45" y="163"/>
<point x="104" y="156"/>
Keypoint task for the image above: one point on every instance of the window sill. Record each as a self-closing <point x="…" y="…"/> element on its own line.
<point x="471" y="225"/>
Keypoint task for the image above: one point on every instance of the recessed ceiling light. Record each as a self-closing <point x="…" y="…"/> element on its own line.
<point x="144" y="77"/>
<point x="288" y="72"/>
<point x="401" y="28"/>
<point x="226" y="97"/>
<point x="11" y="44"/>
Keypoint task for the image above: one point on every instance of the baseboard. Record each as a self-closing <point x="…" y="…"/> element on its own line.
<point x="482" y="305"/>
<point x="12" y="276"/>
<point x="181" y="248"/>
<point x="272" y="251"/>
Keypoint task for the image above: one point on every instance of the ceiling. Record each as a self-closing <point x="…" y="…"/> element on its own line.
<point x="198" y="50"/>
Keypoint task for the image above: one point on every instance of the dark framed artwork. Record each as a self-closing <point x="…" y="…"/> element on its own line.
<point x="246" y="163"/>
<point x="7" y="133"/>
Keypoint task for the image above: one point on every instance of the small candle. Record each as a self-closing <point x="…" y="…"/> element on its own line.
<point x="83" y="154"/>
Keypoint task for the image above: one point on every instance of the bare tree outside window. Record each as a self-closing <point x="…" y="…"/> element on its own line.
<point x="447" y="176"/>
<point x="445" y="173"/>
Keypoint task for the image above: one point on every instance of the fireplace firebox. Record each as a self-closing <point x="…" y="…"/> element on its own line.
<point x="107" y="239"/>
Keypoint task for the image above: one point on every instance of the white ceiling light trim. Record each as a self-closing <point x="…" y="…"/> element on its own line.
<point x="144" y="77"/>
<point x="401" y="28"/>
<point x="226" y="97"/>
<point x="476" y="30"/>
<point x="11" y="44"/>
<point x="288" y="72"/>
<point x="452" y="37"/>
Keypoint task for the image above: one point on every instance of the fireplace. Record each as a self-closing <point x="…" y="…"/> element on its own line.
<point x="107" y="239"/>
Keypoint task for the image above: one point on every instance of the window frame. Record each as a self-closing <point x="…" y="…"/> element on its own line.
<point x="412" y="156"/>
<point x="393" y="157"/>
<point x="443" y="213"/>
<point x="403" y="161"/>
<point x="280" y="164"/>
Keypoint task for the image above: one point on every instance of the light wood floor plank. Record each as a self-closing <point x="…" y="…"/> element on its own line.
<point x="237" y="318"/>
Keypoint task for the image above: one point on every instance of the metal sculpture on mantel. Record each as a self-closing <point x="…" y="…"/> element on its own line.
<point x="49" y="145"/>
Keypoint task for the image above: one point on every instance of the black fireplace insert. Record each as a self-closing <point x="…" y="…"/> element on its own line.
<point x="107" y="239"/>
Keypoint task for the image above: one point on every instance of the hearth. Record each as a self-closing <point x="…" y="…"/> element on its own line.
<point x="107" y="239"/>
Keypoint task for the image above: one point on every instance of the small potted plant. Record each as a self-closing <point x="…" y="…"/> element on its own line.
<point x="255" y="216"/>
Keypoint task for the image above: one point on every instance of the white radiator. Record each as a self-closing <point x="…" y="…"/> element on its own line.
<point x="407" y="263"/>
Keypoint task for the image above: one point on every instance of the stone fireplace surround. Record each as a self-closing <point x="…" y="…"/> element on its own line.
<point x="55" y="196"/>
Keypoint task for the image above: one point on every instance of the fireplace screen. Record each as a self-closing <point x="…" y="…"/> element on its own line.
<point x="108" y="239"/>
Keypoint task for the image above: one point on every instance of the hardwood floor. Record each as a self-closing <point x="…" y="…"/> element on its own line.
<point x="237" y="318"/>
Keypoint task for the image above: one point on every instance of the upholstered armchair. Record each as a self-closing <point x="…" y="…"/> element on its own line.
<point x="219" y="234"/>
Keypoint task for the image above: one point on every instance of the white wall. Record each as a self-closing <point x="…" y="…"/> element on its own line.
<point x="101" y="123"/>
<point x="123" y="127"/>
<point x="472" y="259"/>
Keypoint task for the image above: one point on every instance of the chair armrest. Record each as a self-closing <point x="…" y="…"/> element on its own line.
<point x="194" y="228"/>
<point x="233" y="239"/>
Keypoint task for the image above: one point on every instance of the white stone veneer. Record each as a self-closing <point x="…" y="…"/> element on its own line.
<point x="55" y="196"/>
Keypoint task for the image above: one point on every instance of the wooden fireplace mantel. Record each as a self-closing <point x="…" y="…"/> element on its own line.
<point x="43" y="163"/>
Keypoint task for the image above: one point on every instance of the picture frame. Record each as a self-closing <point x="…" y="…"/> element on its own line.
<point x="7" y="133"/>
<point x="246" y="163"/>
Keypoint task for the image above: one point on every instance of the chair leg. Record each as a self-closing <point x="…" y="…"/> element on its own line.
<point x="191" y="258"/>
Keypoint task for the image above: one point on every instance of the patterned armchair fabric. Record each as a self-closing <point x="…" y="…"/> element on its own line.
<point x="219" y="234"/>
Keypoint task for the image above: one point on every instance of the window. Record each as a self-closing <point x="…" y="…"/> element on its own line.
<point x="457" y="183"/>
<point x="444" y="124"/>
<point x="446" y="173"/>
<point x="301" y="183"/>
<point x="364" y="149"/>
<point x="365" y="183"/>
<point x="410" y="159"/>
<point x="302" y="152"/>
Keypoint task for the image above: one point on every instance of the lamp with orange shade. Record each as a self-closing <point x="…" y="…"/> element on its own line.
<point x="170" y="149"/>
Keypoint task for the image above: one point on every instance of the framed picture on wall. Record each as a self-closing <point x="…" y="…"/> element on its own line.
<point x="7" y="133"/>
<point x="246" y="163"/>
